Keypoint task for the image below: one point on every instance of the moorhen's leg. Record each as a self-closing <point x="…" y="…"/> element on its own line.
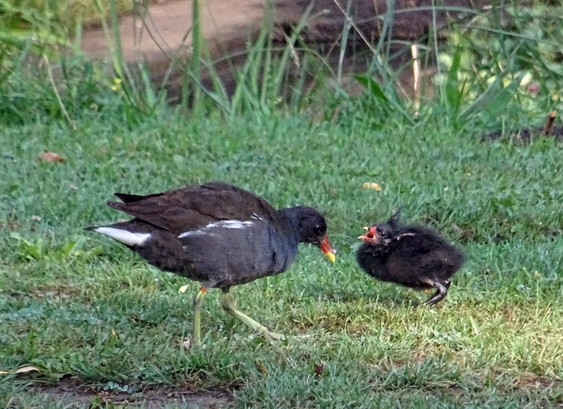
<point x="228" y="305"/>
<point x="442" y="291"/>
<point x="197" y="316"/>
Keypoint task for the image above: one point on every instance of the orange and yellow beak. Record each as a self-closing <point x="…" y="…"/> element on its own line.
<point x="327" y="249"/>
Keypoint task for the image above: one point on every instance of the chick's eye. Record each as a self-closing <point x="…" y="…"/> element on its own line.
<point x="318" y="229"/>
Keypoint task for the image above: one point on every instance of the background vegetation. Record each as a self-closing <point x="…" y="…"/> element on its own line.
<point x="83" y="322"/>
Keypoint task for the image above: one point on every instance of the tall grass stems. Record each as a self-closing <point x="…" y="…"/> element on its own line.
<point x="274" y="77"/>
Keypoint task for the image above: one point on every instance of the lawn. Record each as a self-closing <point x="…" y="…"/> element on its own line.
<point x="102" y="328"/>
<point x="86" y="323"/>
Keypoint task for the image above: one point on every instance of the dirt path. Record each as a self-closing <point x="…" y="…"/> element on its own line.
<point x="72" y="392"/>
<point x="165" y="34"/>
<point x="227" y="25"/>
<point x="169" y="21"/>
<point x="166" y="29"/>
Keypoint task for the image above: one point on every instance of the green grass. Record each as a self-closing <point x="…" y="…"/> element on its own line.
<point x="102" y="328"/>
<point x="69" y="12"/>
<point x="80" y="307"/>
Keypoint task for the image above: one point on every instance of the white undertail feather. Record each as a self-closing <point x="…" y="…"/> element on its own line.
<point x="124" y="236"/>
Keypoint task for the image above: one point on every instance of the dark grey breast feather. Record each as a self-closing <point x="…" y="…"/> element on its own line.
<point x="235" y="256"/>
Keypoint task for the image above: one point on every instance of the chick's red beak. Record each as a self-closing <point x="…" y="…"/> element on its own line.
<point x="371" y="235"/>
<point x="327" y="249"/>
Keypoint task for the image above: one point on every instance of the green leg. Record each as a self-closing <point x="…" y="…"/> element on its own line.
<point x="197" y="316"/>
<point x="228" y="305"/>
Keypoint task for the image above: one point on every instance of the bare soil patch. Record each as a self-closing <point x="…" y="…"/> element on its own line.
<point x="73" y="393"/>
<point x="161" y="34"/>
<point x="526" y="135"/>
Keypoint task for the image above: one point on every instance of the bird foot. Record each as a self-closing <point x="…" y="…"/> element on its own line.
<point x="271" y="336"/>
<point x="274" y="336"/>
<point x="301" y="337"/>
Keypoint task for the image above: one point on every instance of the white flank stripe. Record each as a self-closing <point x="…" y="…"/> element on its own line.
<point x="195" y="233"/>
<point x="223" y="224"/>
<point x="124" y="236"/>
<point x="230" y="224"/>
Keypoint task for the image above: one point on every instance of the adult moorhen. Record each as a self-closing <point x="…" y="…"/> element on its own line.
<point x="412" y="256"/>
<point x="219" y="235"/>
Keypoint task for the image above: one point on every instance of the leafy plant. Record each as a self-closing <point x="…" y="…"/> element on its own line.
<point x="41" y="250"/>
<point x="505" y="57"/>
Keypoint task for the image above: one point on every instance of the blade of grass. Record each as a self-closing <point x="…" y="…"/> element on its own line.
<point x="453" y="92"/>
<point x="494" y="98"/>
<point x="196" y="57"/>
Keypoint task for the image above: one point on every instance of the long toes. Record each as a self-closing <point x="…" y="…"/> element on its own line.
<point x="435" y="299"/>
<point x="272" y="336"/>
<point x="431" y="302"/>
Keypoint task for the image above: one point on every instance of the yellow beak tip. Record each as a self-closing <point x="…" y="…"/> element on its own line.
<point x="331" y="257"/>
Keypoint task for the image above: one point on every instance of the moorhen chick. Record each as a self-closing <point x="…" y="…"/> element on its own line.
<point x="219" y="235"/>
<point x="412" y="256"/>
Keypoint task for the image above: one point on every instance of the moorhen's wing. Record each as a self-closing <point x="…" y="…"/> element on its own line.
<point x="428" y="252"/>
<point x="419" y="240"/>
<point x="194" y="207"/>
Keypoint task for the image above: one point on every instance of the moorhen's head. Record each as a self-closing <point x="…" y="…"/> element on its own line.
<point x="382" y="234"/>
<point x="313" y="229"/>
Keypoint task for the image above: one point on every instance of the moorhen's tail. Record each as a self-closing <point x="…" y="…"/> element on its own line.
<point x="129" y="198"/>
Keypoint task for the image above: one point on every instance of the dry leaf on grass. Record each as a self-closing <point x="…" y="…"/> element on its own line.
<point x="51" y="157"/>
<point x="27" y="369"/>
<point x="319" y="369"/>
<point x="10" y="225"/>
<point x="373" y="186"/>
<point x="261" y="367"/>
<point x="187" y="344"/>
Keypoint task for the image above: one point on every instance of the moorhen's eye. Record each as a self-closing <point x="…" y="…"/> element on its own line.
<point x="318" y="229"/>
